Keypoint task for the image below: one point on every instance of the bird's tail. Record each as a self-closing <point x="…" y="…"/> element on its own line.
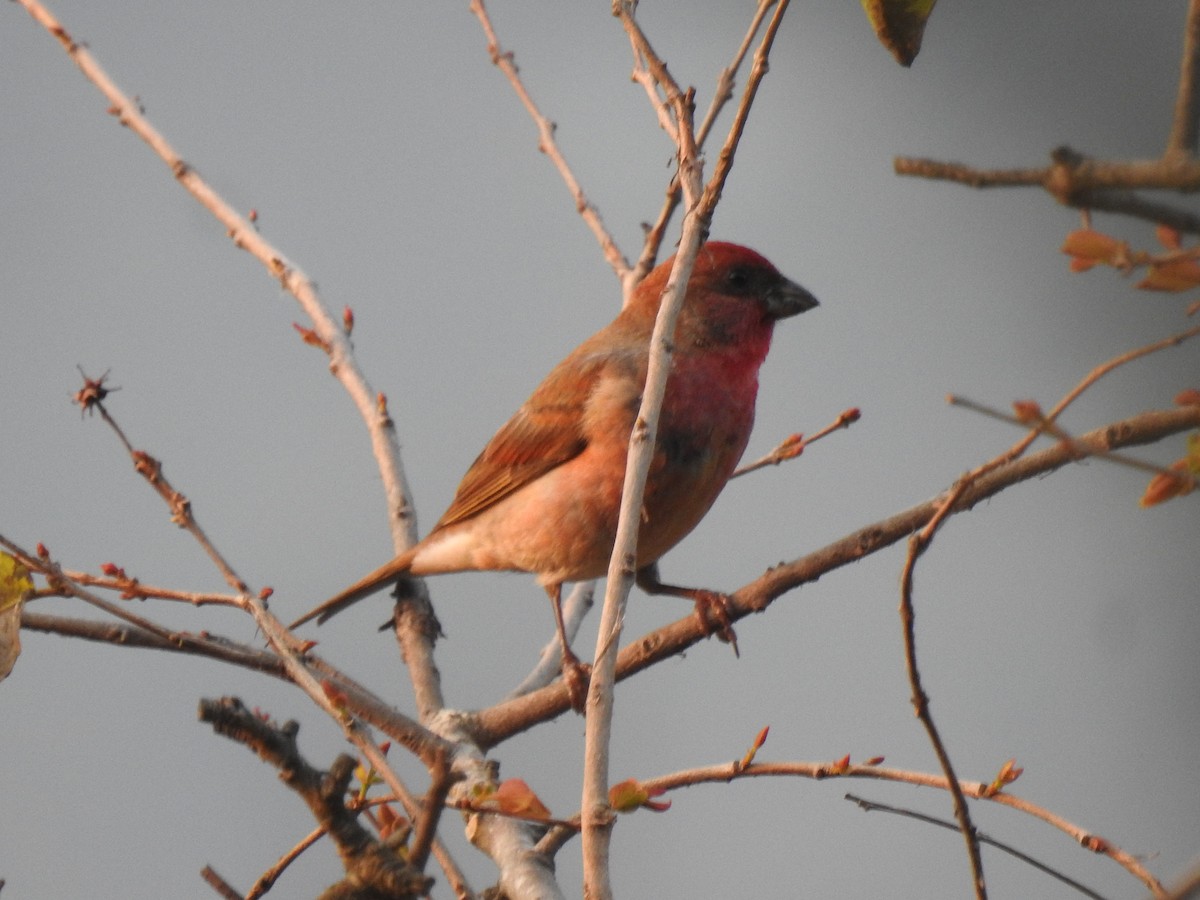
<point x="378" y="579"/>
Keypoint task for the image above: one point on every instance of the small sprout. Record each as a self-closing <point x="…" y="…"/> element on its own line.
<point x="1028" y="412"/>
<point x="1188" y="397"/>
<point x="631" y="794"/>
<point x="310" y="337"/>
<point x="759" y="740"/>
<point x="1176" y="481"/>
<point x="1009" y="772"/>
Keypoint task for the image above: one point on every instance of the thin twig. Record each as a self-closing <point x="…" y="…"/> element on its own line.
<point x="506" y="63"/>
<point x="732" y="771"/>
<point x="1082" y="183"/>
<point x="574" y="608"/>
<point x="1181" y="144"/>
<point x="206" y="644"/>
<point x="223" y="888"/>
<point x="330" y="334"/>
<point x="716" y="184"/>
<point x="268" y="878"/>
<point x="722" y="95"/>
<point x="874" y="806"/>
<point x="793" y="445"/>
<point x="917" y="545"/>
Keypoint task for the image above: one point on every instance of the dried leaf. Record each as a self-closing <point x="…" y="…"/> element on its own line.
<point x="899" y="25"/>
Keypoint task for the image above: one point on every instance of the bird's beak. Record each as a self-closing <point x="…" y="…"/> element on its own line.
<point x="788" y="299"/>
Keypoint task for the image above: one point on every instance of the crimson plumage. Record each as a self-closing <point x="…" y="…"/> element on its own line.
<point x="544" y="495"/>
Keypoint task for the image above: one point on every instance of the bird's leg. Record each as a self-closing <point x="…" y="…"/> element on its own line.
<point x="575" y="674"/>
<point x="712" y="607"/>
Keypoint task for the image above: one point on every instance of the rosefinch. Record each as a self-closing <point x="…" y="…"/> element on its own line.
<point x="544" y="495"/>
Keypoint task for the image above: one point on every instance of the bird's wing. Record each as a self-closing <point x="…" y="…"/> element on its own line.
<point x="547" y="431"/>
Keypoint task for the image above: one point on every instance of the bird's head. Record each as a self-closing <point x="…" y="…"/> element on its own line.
<point x="734" y="297"/>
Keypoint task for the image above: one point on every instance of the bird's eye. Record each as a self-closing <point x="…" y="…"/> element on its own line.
<point x="738" y="279"/>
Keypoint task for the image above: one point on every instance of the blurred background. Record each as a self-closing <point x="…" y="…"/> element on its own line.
<point x="387" y="158"/>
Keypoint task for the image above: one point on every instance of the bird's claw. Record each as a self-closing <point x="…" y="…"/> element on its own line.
<point x="712" y="609"/>
<point x="576" y="676"/>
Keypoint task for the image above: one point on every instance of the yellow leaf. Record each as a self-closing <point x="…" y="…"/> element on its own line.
<point x="15" y="584"/>
<point x="899" y="25"/>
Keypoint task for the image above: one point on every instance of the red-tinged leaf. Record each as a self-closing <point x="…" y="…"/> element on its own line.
<point x="1088" y="247"/>
<point x="899" y="25"/>
<point x="385" y="747"/>
<point x="516" y="798"/>
<point x="42" y="552"/>
<point x="110" y="569"/>
<point x="631" y="794"/>
<point x="1009" y="772"/>
<point x="1173" y="277"/>
<point x="265" y="593"/>
<point x="1177" y="481"/>
<point x="1168" y="237"/>
<point x="1028" y="412"/>
<point x="1188" y="397"/>
<point x="873" y="761"/>
<point x="334" y="694"/>
<point x="310" y="337"/>
<point x="347" y="320"/>
<point x="391" y="822"/>
<point x="841" y="766"/>
<point x="627" y="796"/>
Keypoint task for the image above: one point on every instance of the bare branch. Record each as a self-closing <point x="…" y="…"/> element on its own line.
<point x="329" y="334"/>
<point x="1182" y="141"/>
<point x="917" y="545"/>
<point x="206" y="644"/>
<point x="506" y="63"/>
<point x="497" y="723"/>
<point x="372" y="867"/>
<point x="726" y="772"/>
<point x="1077" y="181"/>
<point x="873" y="806"/>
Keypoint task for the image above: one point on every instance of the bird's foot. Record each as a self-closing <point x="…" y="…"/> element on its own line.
<point x="576" y="676"/>
<point x="712" y="609"/>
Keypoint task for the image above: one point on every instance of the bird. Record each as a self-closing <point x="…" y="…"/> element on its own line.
<point x="544" y="495"/>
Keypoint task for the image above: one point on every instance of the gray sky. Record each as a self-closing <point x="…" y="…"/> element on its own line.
<point x="388" y="159"/>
